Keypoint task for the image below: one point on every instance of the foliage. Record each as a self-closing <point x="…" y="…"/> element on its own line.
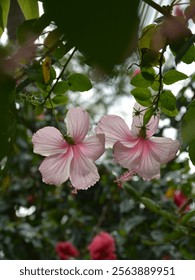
<point x="54" y="66"/>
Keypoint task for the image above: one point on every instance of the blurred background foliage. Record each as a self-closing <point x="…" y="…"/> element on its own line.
<point x="143" y="217"/>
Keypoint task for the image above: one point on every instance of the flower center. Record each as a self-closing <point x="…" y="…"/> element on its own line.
<point x="69" y="140"/>
<point x="142" y="132"/>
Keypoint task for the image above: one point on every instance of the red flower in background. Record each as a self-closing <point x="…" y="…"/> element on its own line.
<point x="66" y="250"/>
<point x="102" y="247"/>
<point x="180" y="199"/>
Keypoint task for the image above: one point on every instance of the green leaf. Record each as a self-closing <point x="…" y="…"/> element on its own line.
<point x="61" y="87"/>
<point x="35" y="73"/>
<point x="187" y="125"/>
<point x="79" y="82"/>
<point x="147" y="34"/>
<point x="59" y="100"/>
<point x="186" y="52"/>
<point x="52" y="38"/>
<point x="170" y="113"/>
<point x="189" y="56"/>
<point x="4" y="11"/>
<point x="155" y="86"/>
<point x="132" y="192"/>
<point x="154" y="207"/>
<point x="142" y="94"/>
<point x="192" y="151"/>
<point x="150" y="57"/>
<point x="173" y="76"/>
<point x="151" y="38"/>
<point x="1" y="19"/>
<point x="177" y="234"/>
<point x="147" y="116"/>
<point x="39" y="110"/>
<point x="52" y="74"/>
<point x="168" y="103"/>
<point x="25" y="31"/>
<point x="29" y="8"/>
<point x="187" y="217"/>
<point x="140" y="81"/>
<point x="56" y="101"/>
<point x="31" y="29"/>
<point x="148" y="73"/>
<point x="61" y="50"/>
<point x="150" y="204"/>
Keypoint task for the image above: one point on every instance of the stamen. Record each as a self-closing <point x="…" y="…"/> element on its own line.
<point x="126" y="176"/>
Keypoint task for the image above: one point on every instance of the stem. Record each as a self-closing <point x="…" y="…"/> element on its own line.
<point x="157" y="8"/>
<point x="156" y="99"/>
<point x="54" y="114"/>
<point x="60" y="75"/>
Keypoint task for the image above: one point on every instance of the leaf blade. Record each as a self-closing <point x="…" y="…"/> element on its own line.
<point x="29" y="8"/>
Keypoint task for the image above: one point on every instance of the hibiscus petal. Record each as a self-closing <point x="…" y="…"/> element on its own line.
<point x="93" y="146"/>
<point x="83" y="172"/>
<point x="137" y="122"/>
<point x="148" y="167"/>
<point x="152" y="125"/>
<point x="127" y="157"/>
<point x="138" y="159"/>
<point x="164" y="149"/>
<point x="48" y="141"/>
<point x="115" y="129"/>
<point x="55" y="169"/>
<point x="77" y="122"/>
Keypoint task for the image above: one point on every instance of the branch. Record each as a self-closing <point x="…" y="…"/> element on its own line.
<point x="158" y="8"/>
<point x="60" y="75"/>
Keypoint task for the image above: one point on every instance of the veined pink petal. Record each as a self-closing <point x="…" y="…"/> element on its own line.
<point x="77" y="122"/>
<point x="49" y="141"/>
<point x="164" y="149"/>
<point x="115" y="129"/>
<point x="139" y="159"/>
<point x="137" y="123"/>
<point x="152" y="125"/>
<point x="148" y="167"/>
<point x="83" y="172"/>
<point x="55" y="169"/>
<point x="93" y="146"/>
<point x="127" y="157"/>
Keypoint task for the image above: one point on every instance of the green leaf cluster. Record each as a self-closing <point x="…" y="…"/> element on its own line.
<point x="143" y="84"/>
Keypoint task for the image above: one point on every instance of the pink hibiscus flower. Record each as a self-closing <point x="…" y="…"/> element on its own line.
<point x="66" y="250"/>
<point x="137" y="150"/>
<point x="71" y="156"/>
<point x="102" y="247"/>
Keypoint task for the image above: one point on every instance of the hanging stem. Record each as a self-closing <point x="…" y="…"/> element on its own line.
<point x="160" y="74"/>
<point x="60" y="75"/>
<point x="158" y="8"/>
